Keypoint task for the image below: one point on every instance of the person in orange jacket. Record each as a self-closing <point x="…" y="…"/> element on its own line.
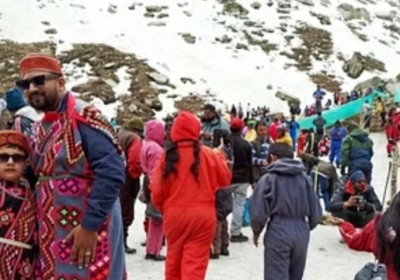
<point x="381" y="236"/>
<point x="183" y="189"/>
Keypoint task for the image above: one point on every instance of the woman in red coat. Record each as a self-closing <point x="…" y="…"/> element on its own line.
<point x="183" y="189"/>
<point x="392" y="135"/>
<point x="378" y="237"/>
<point x="301" y="142"/>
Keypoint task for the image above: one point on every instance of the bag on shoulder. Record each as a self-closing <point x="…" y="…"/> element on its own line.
<point x="152" y="212"/>
<point x="372" y="271"/>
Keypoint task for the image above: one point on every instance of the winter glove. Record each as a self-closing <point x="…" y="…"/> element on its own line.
<point x="343" y="170"/>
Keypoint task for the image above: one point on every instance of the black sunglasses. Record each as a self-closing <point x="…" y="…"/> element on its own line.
<point x="37" y="81"/>
<point x="16" y="158"/>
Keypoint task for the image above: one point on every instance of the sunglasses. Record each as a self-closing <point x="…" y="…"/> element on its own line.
<point x="37" y="81"/>
<point x="16" y="158"/>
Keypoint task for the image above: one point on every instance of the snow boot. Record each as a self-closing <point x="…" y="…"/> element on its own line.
<point x="157" y="258"/>
<point x="224" y="251"/>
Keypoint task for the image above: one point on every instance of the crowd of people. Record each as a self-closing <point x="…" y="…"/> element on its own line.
<point x="70" y="180"/>
<point x="338" y="99"/>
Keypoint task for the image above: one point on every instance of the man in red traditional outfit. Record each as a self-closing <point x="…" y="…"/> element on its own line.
<point x="80" y="169"/>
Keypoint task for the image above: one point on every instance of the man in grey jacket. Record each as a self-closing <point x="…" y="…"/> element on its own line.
<point x="285" y="198"/>
<point x="210" y="122"/>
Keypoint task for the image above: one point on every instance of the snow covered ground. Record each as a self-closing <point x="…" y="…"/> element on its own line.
<point x="327" y="258"/>
<point x="234" y="75"/>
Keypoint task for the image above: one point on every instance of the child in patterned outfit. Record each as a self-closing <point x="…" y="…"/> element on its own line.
<point x="17" y="209"/>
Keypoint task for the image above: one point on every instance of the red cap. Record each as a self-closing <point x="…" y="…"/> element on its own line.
<point x="237" y="123"/>
<point x="39" y="62"/>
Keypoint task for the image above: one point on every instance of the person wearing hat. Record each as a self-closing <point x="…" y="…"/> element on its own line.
<point x="284" y="137"/>
<point x="17" y="209"/>
<point x="135" y="125"/>
<point x="23" y="115"/>
<point x="242" y="172"/>
<point x="355" y="201"/>
<point x="80" y="169"/>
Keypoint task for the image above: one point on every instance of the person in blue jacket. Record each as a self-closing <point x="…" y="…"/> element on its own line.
<point x="318" y="95"/>
<point x="336" y="134"/>
<point x="294" y="131"/>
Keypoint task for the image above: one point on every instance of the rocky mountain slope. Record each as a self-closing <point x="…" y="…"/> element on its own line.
<point x="154" y="56"/>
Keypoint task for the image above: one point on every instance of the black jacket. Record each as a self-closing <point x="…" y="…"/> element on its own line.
<point x="242" y="160"/>
<point x="345" y="191"/>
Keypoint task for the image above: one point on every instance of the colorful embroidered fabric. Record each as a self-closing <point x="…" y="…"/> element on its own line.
<point x="17" y="223"/>
<point x="65" y="181"/>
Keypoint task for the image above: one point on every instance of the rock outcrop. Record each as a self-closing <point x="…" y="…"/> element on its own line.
<point x="348" y="12"/>
<point x="353" y="67"/>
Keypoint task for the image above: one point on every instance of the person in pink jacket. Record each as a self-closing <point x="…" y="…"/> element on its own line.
<point x="152" y="150"/>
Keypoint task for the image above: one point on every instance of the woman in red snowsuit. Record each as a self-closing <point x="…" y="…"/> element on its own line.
<point x="381" y="237"/>
<point x="392" y="135"/>
<point x="301" y="142"/>
<point x="183" y="189"/>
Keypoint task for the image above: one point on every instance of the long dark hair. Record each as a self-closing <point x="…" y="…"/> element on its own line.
<point x="172" y="158"/>
<point x="386" y="248"/>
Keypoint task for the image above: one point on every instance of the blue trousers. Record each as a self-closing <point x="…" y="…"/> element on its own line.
<point x="322" y="188"/>
<point x="293" y="135"/>
<point x="335" y="151"/>
<point x="285" y="249"/>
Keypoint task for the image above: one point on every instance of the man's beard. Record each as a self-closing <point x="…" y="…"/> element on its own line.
<point x="40" y="101"/>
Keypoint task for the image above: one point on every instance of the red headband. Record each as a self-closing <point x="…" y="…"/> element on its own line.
<point x="11" y="137"/>
<point x="39" y="62"/>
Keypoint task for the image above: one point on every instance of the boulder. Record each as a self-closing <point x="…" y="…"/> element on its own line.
<point x="306" y="2"/>
<point x="158" y="78"/>
<point x="189" y="38"/>
<point x="353" y="67"/>
<point x="392" y="86"/>
<point x="348" y="12"/>
<point x="373" y="82"/>
<point x="290" y="98"/>
<point x="156" y="105"/>
<point x="96" y="88"/>
<point x="386" y="15"/>
<point x="154" y="9"/>
<point x="256" y="5"/>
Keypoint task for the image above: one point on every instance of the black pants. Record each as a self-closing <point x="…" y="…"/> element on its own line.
<point x="383" y="118"/>
<point x="357" y="219"/>
<point x="128" y="195"/>
<point x="286" y="245"/>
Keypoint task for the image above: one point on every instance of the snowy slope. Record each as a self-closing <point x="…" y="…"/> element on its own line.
<point x="234" y="75"/>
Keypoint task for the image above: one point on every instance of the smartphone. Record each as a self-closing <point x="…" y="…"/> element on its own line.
<point x="218" y="134"/>
<point x="360" y="199"/>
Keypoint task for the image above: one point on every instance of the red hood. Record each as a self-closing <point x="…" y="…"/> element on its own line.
<point x="349" y="189"/>
<point x="185" y="127"/>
